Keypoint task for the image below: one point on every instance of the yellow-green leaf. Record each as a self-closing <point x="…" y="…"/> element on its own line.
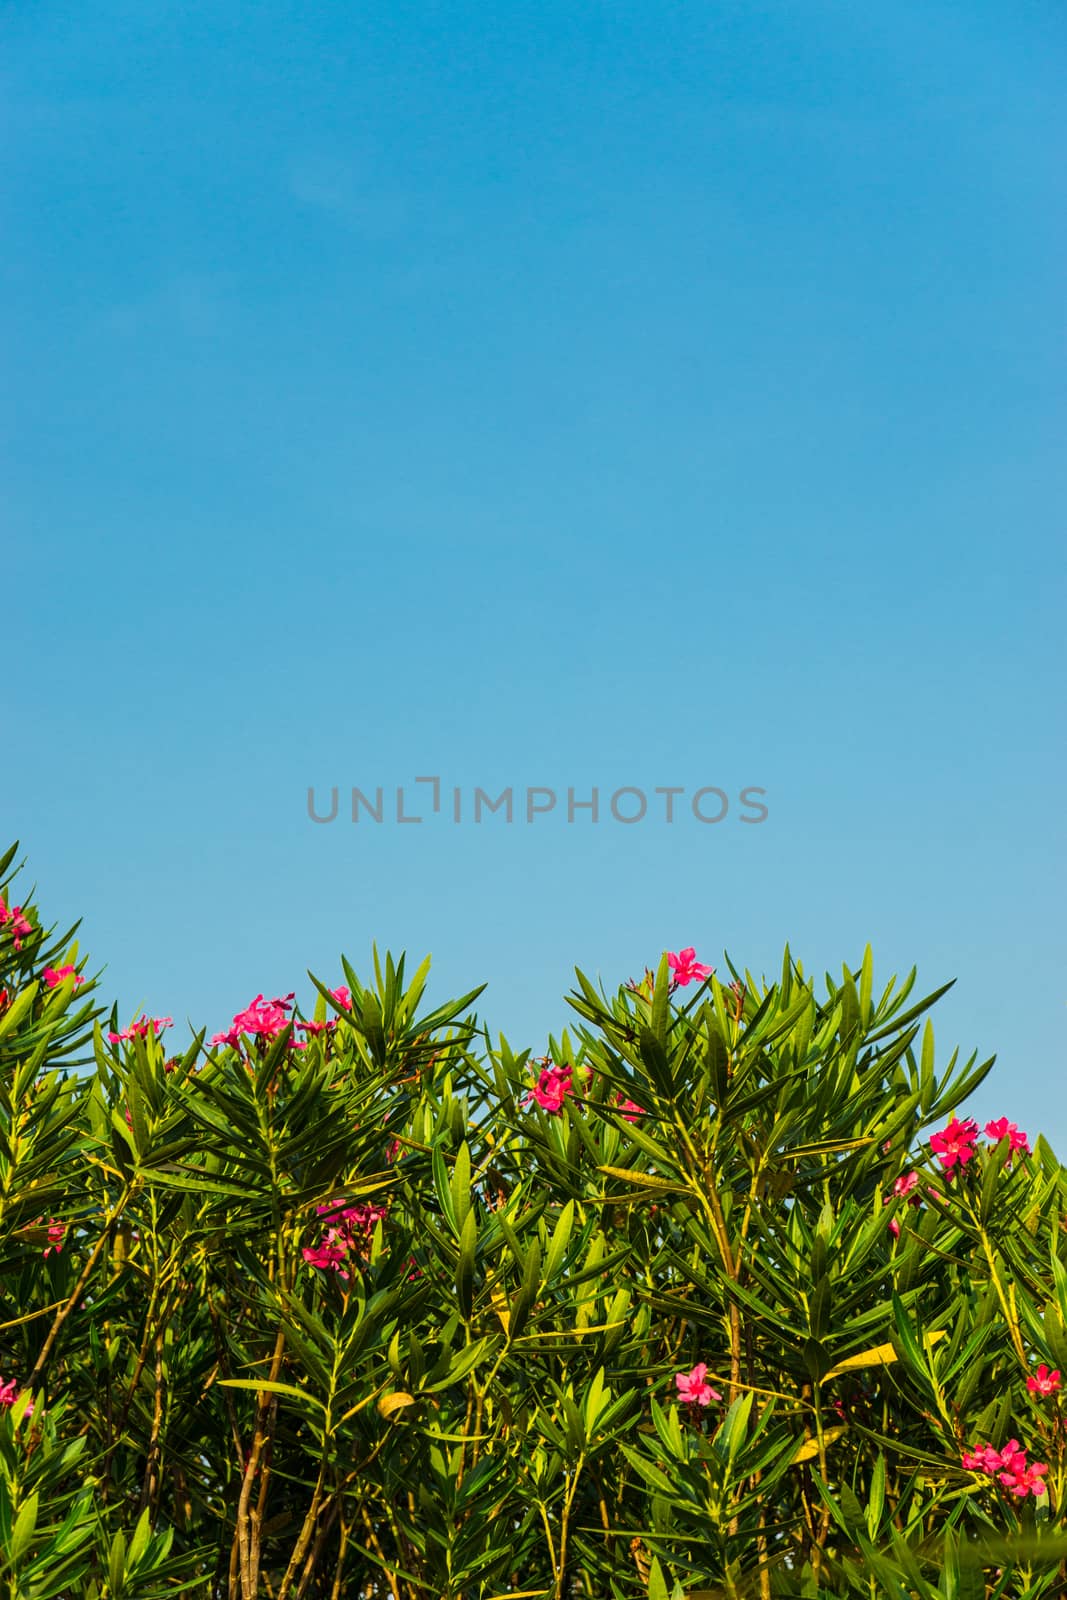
<point x="810" y="1448"/>
<point x="395" y="1401"/>
<point x="880" y="1355"/>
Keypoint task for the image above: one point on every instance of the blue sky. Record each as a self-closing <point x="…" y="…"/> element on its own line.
<point x="542" y="395"/>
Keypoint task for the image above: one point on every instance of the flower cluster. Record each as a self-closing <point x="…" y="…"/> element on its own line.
<point x="1003" y="1129"/>
<point x="954" y="1145"/>
<point x="56" y="1234"/>
<point x="141" y="1029"/>
<point x="904" y="1186"/>
<point x="1009" y="1467"/>
<point x="9" y="1393"/>
<point x="54" y="976"/>
<point x="12" y="918"/>
<point x="343" y="998"/>
<point x="553" y="1086"/>
<point x="693" y="1388"/>
<point x="263" y="1019"/>
<point x="351" y="1233"/>
<point x="630" y="1109"/>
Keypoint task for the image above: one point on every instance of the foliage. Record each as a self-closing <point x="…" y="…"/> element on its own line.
<point x="366" y="1304"/>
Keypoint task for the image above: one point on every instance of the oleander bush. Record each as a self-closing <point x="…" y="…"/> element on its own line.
<point x="719" y="1297"/>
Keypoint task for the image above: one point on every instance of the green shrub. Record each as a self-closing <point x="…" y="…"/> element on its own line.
<point x="366" y="1304"/>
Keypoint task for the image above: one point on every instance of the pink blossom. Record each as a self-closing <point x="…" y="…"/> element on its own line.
<point x="902" y="1187"/>
<point x="1022" y="1480"/>
<point x="955" y="1143"/>
<point x="1044" y="1381"/>
<point x="1003" y="1129"/>
<point x="21" y="927"/>
<point x="552" y="1087"/>
<point x="631" y="1110"/>
<point x="693" y="1390"/>
<point x="329" y="1254"/>
<point x="56" y="1234"/>
<point x="9" y="1393"/>
<point x="353" y="1232"/>
<point x="1009" y="1467"/>
<point x="353" y="1219"/>
<point x="54" y="976"/>
<point x="140" y="1029"/>
<point x="263" y="1019"/>
<point x="343" y="998"/>
<point x="686" y="967"/>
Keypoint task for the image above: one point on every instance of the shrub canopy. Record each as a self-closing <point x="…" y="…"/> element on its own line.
<point x="719" y="1297"/>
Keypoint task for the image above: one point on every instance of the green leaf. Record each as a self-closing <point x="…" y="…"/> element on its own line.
<point x="561" y="1237"/>
<point x="460" y="1185"/>
<point x="139" y="1542"/>
<point x="444" y="1188"/>
<point x="876" y="1499"/>
<point x="468" y="1244"/>
<point x="288" y="1389"/>
<point x="661" y="1002"/>
<point x="657" y="1584"/>
<point x="116" y="1566"/>
<point x="23" y="1531"/>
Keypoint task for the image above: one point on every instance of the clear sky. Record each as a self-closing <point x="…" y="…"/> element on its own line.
<point x="559" y="395"/>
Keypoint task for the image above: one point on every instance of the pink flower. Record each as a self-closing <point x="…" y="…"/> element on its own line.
<point x="901" y="1187"/>
<point x="955" y="1143"/>
<point x="1023" y="1480"/>
<point x="21" y="927"/>
<point x="353" y="1232"/>
<point x="1003" y="1129"/>
<point x="329" y="1255"/>
<point x="692" y="1388"/>
<point x="56" y="1234"/>
<point x="631" y="1110"/>
<point x="263" y="1019"/>
<point x="552" y="1087"/>
<point x="140" y="1028"/>
<point x="9" y="1393"/>
<point x="343" y="998"/>
<point x="1043" y="1381"/>
<point x="1009" y="1467"/>
<point x="54" y="976"/>
<point x="686" y="967"/>
<point x="353" y="1219"/>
